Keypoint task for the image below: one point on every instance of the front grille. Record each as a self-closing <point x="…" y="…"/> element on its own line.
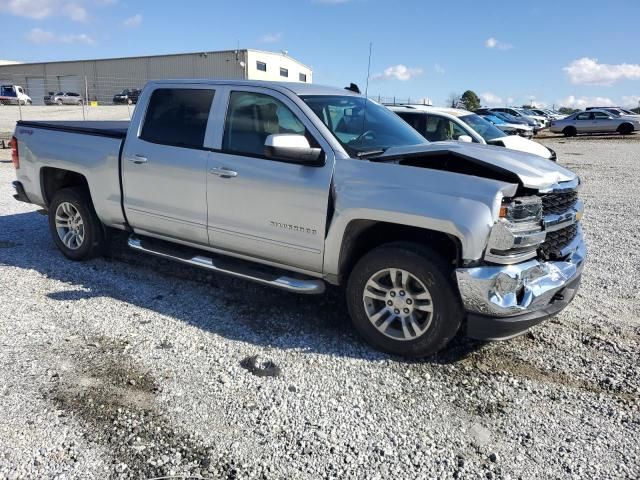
<point x="557" y="203"/>
<point x="552" y="247"/>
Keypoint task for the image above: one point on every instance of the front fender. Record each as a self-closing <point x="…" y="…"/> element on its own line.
<point x="462" y="206"/>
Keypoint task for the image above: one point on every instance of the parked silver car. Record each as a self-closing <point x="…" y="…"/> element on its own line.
<point x="63" y="98"/>
<point x="595" y="121"/>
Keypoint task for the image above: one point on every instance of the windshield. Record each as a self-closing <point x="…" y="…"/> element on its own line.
<point x="486" y="129"/>
<point x="358" y="133"/>
<point x="494" y="119"/>
<point x="124" y="92"/>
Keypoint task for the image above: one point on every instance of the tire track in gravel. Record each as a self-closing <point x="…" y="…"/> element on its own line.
<point x="114" y="399"/>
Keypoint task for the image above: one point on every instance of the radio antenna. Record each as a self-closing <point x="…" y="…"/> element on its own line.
<point x="366" y="91"/>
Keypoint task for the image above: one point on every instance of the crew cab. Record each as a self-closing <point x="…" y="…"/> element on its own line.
<point x="297" y="186"/>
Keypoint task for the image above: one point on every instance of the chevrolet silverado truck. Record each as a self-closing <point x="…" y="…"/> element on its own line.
<point x="298" y="186"/>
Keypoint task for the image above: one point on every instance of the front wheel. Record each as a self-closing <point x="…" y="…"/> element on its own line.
<point x="570" y="132"/>
<point x="402" y="300"/>
<point x="74" y="225"/>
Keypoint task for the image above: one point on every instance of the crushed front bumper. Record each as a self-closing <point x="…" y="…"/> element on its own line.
<point x="506" y="300"/>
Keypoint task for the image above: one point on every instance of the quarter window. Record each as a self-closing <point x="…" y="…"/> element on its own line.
<point x="303" y="77"/>
<point x="251" y="118"/>
<point x="261" y="66"/>
<point x="177" y="117"/>
<point x="284" y="72"/>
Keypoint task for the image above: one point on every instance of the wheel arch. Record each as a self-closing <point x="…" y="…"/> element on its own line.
<point x="361" y="236"/>
<point x="54" y="179"/>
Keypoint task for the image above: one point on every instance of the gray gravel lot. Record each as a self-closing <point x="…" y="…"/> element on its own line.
<point x="131" y="367"/>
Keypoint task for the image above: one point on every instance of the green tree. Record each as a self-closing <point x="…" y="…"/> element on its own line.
<point x="470" y="100"/>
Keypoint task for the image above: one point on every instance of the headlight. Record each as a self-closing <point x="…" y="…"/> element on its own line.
<point x="517" y="234"/>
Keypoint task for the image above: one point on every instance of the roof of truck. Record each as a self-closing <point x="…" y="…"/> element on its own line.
<point x="298" y="88"/>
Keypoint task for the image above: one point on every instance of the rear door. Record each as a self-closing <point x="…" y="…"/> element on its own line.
<point x="604" y="123"/>
<point x="164" y="166"/>
<point x="265" y="208"/>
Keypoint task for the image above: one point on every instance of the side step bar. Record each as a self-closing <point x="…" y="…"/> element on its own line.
<point x="235" y="268"/>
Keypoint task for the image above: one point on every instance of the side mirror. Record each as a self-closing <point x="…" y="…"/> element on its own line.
<point x="465" y="138"/>
<point x="287" y="146"/>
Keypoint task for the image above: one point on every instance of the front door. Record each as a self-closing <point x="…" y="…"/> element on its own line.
<point x="164" y="165"/>
<point x="265" y="208"/>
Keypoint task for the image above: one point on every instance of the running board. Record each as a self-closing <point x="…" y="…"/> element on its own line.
<point x="229" y="266"/>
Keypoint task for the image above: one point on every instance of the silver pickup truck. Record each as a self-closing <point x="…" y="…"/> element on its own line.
<point x="297" y="185"/>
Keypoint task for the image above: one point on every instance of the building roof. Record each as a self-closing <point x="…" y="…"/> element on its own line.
<point x="202" y="52"/>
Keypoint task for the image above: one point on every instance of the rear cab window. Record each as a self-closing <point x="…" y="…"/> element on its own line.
<point x="177" y="117"/>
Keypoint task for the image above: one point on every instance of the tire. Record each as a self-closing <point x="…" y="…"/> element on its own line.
<point x="80" y="102"/>
<point x="76" y="200"/>
<point x="129" y="101"/>
<point x="625" y="129"/>
<point x="570" y="131"/>
<point x="29" y="102"/>
<point x="428" y="273"/>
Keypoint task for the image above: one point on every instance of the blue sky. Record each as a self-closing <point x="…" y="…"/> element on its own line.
<point x="571" y="52"/>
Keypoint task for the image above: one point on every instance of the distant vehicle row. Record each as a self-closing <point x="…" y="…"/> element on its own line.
<point x="445" y="124"/>
<point x="15" y="95"/>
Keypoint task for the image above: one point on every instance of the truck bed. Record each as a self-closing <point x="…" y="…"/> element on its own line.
<point x="113" y="129"/>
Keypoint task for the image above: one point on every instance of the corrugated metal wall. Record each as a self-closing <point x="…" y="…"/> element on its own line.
<point x="108" y="77"/>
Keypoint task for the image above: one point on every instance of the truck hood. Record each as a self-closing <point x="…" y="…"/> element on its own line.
<point x="532" y="171"/>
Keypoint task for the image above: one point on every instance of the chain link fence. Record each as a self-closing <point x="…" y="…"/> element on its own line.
<point x="392" y="100"/>
<point x="68" y="97"/>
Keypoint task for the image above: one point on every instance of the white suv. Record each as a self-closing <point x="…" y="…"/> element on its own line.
<point x="438" y="124"/>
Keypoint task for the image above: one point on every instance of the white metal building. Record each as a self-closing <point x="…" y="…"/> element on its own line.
<point x="103" y="78"/>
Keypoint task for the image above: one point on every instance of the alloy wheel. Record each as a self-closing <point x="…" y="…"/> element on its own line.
<point x="69" y="225"/>
<point x="398" y="304"/>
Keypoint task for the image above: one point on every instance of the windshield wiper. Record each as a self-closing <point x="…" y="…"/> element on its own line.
<point x="371" y="153"/>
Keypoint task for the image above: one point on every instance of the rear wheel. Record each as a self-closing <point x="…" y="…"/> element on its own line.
<point x="570" y="132"/>
<point x="129" y="101"/>
<point x="74" y="225"/>
<point x="401" y="300"/>
<point x="59" y="103"/>
<point x="625" y="129"/>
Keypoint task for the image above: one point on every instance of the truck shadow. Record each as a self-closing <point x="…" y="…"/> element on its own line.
<point x="232" y="308"/>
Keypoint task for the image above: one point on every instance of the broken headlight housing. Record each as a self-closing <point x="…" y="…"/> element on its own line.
<point x="517" y="234"/>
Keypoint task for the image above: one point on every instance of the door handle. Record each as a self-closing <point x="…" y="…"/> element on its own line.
<point x="223" y="172"/>
<point x="138" y="159"/>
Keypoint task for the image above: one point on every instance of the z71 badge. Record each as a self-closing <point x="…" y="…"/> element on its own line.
<point x="294" y="228"/>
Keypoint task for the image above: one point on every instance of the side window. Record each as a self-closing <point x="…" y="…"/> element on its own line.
<point x="251" y="118"/>
<point x="416" y="120"/>
<point x="442" y="129"/>
<point x="600" y="116"/>
<point x="584" y="116"/>
<point x="177" y="116"/>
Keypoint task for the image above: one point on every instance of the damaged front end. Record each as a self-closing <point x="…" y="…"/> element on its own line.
<point x="533" y="264"/>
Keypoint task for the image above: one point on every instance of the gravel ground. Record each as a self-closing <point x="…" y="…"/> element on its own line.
<point x="131" y="367"/>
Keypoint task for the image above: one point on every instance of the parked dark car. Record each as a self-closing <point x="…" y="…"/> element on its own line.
<point x="128" y="95"/>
